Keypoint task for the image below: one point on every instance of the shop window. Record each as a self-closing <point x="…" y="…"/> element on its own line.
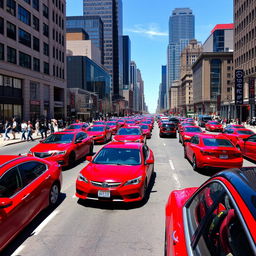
<point x="34" y="91"/>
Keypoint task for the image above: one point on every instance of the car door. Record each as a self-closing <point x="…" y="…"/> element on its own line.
<point x="250" y="147"/>
<point x="86" y="143"/>
<point x="148" y="167"/>
<point x="12" y="218"/>
<point x="79" y="146"/>
<point x="190" y="146"/>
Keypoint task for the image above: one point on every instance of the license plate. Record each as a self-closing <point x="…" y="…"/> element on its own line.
<point x="223" y="156"/>
<point x="104" y="193"/>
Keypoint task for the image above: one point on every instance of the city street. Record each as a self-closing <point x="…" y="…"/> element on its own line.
<point x="94" y="228"/>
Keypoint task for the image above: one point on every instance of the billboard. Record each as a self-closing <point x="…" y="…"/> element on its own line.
<point x="239" y="87"/>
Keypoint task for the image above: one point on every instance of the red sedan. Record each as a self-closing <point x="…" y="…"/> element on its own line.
<point x="114" y="126"/>
<point x="167" y="129"/>
<point x="130" y="134"/>
<point x="234" y="135"/>
<point x="27" y="186"/>
<point x="100" y="133"/>
<point x="146" y="131"/>
<point x="213" y="126"/>
<point x="183" y="124"/>
<point x="188" y="132"/>
<point x="119" y="172"/>
<point x="219" y="218"/>
<point x="64" y="147"/>
<point x="248" y="147"/>
<point x="215" y="151"/>
<point x="77" y="126"/>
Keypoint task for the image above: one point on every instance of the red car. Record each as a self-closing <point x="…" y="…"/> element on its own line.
<point x="215" y="151"/>
<point x="183" y="124"/>
<point x="149" y="123"/>
<point x="130" y="134"/>
<point x="77" y="126"/>
<point x="167" y="129"/>
<point x="213" y="126"/>
<point x="100" y="133"/>
<point x="114" y="126"/>
<point x="234" y="134"/>
<point x="146" y="130"/>
<point x="218" y="218"/>
<point x="27" y="186"/>
<point x="119" y="172"/>
<point x="188" y="132"/>
<point x="63" y="147"/>
<point x="99" y="122"/>
<point x="237" y="126"/>
<point x="248" y="147"/>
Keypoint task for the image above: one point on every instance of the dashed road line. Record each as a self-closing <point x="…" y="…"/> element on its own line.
<point x="171" y="164"/>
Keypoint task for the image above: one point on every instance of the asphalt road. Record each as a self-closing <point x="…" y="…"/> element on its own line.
<point x="95" y="228"/>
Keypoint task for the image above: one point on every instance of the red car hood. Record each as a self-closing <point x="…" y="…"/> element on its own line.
<point x="44" y="147"/>
<point x="128" y="137"/>
<point x="115" y="173"/>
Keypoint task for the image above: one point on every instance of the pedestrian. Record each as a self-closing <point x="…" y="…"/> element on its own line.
<point x="1" y="129"/>
<point x="7" y="128"/>
<point x="52" y="126"/>
<point x="14" y="128"/>
<point x="37" y="127"/>
<point x="43" y="129"/>
<point x="55" y="125"/>
<point x="30" y="130"/>
<point x="24" y="128"/>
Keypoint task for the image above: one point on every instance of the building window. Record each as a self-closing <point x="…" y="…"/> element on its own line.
<point x="11" y="30"/>
<point x="215" y="78"/>
<point x="1" y="3"/>
<point x="1" y="51"/>
<point x="27" y="1"/>
<point x="46" y="68"/>
<point x="34" y="91"/>
<point x="53" y="52"/>
<point x="46" y="30"/>
<point x="36" y="44"/>
<point x="24" y="37"/>
<point x="11" y="55"/>
<point x="36" y="4"/>
<point x="11" y="7"/>
<point x="46" y="49"/>
<point x="53" y="70"/>
<point x="36" y="23"/>
<point x="1" y="25"/>
<point x="24" y="15"/>
<point x="53" y="34"/>
<point x="45" y="11"/>
<point x="36" y="64"/>
<point x="24" y="60"/>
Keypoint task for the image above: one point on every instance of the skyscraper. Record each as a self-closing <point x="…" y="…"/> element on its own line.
<point x="110" y="12"/>
<point x="126" y="62"/>
<point x="181" y="30"/>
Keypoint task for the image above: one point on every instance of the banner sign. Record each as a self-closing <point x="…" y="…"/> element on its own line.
<point x="252" y="90"/>
<point x="239" y="87"/>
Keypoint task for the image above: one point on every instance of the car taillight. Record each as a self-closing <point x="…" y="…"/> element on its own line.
<point x="203" y="152"/>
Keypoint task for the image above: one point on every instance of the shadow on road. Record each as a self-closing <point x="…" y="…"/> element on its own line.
<point x="29" y="229"/>
<point x="109" y="205"/>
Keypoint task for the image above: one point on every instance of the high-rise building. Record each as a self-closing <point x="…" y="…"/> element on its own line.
<point x="126" y="62"/>
<point x="220" y="39"/>
<point x="32" y="59"/>
<point x="110" y="12"/>
<point x="93" y="26"/>
<point x="162" y="95"/>
<point x="181" y="30"/>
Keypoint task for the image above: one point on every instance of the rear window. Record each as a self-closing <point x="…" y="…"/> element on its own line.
<point x="244" y="132"/>
<point x="192" y="129"/>
<point x="212" y="142"/>
<point x="168" y="125"/>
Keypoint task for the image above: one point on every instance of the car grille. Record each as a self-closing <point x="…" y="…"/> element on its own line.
<point x="106" y="184"/>
<point x="42" y="154"/>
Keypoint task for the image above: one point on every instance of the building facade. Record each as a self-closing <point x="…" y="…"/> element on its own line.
<point x="110" y="12"/>
<point x="93" y="26"/>
<point x="126" y="62"/>
<point x="32" y="59"/>
<point x="181" y="30"/>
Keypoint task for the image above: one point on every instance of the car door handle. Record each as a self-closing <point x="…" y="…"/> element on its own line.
<point x="24" y="197"/>
<point x="48" y="177"/>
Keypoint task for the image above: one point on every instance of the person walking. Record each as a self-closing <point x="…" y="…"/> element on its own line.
<point x="7" y="128"/>
<point x="24" y="128"/>
<point x="37" y="127"/>
<point x="30" y="130"/>
<point x="1" y="129"/>
<point x="43" y="129"/>
<point x="14" y="128"/>
<point x="55" y="125"/>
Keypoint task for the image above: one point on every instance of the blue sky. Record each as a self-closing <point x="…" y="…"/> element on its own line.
<point x="146" y="22"/>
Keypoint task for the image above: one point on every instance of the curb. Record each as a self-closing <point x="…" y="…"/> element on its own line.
<point x="17" y="142"/>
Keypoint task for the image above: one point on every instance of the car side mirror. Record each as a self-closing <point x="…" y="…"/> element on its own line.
<point x="88" y="158"/>
<point x="149" y="161"/>
<point x="5" y="202"/>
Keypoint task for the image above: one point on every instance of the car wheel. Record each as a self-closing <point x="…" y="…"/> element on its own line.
<point x="165" y="244"/>
<point x="185" y="154"/>
<point x="194" y="164"/>
<point x="54" y="194"/>
<point x="71" y="159"/>
<point x="160" y="135"/>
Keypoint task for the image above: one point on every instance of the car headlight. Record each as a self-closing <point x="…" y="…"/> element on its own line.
<point x="82" y="178"/>
<point x="133" y="181"/>
<point x="57" y="152"/>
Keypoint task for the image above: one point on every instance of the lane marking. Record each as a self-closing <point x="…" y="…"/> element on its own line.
<point x="164" y="144"/>
<point x="45" y="222"/>
<point x="176" y="178"/>
<point x="74" y="196"/>
<point x="171" y="164"/>
<point x="18" y="250"/>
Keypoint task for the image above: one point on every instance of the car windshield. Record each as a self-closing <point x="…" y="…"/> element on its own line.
<point x="212" y="142"/>
<point x="213" y="123"/>
<point x="96" y="129"/>
<point x="73" y="127"/>
<point x="192" y="129"/>
<point x="99" y="122"/>
<point x="168" y="125"/>
<point x="245" y="132"/>
<point x="59" y="138"/>
<point x="129" y="131"/>
<point x="118" y="156"/>
<point x="144" y="127"/>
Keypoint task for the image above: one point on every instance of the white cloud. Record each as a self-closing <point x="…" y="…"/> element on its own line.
<point x="150" y="30"/>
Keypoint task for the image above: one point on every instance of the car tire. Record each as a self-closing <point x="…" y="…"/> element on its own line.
<point x="185" y="153"/>
<point x="194" y="164"/>
<point x="54" y="194"/>
<point x="71" y="159"/>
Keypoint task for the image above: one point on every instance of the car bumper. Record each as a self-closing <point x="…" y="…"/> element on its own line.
<point x="221" y="163"/>
<point x="169" y="133"/>
<point x="129" y="193"/>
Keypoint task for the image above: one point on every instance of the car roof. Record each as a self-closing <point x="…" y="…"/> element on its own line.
<point x="119" y="144"/>
<point x="244" y="180"/>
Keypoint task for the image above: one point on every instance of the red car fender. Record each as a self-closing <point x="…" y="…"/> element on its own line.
<point x="174" y="225"/>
